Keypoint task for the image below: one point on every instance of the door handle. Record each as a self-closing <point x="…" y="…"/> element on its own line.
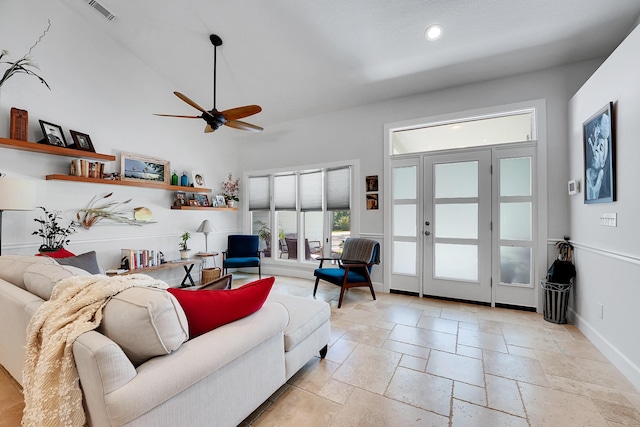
<point x="426" y="233"/>
<point x="427" y="223"/>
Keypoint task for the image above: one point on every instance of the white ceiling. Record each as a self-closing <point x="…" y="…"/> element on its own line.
<point x="307" y="57"/>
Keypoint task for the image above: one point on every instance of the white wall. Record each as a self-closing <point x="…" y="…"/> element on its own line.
<point x="608" y="259"/>
<point x="100" y="89"/>
<point x="358" y="133"/>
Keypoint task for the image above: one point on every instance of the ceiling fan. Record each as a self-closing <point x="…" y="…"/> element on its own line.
<point x="213" y="117"/>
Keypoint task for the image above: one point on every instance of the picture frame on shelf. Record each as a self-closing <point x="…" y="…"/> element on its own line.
<point x="197" y="178"/>
<point x="53" y="134"/>
<point x="599" y="157"/>
<point x="134" y="167"/>
<point x="180" y="198"/>
<point x="81" y="141"/>
<point x="193" y="202"/>
<point x="220" y="201"/>
<point x="202" y="199"/>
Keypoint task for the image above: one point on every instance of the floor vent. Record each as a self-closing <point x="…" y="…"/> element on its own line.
<point x="100" y="8"/>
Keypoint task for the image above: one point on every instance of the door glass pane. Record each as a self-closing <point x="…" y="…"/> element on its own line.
<point x="340" y="230"/>
<point x="404" y="220"/>
<point x="288" y="226"/>
<point x="404" y="182"/>
<point x="404" y="257"/>
<point x="515" y="177"/>
<point x="515" y="221"/>
<point x="515" y="265"/>
<point x="458" y="262"/>
<point x="456" y="180"/>
<point x="313" y="233"/>
<point x="457" y="221"/>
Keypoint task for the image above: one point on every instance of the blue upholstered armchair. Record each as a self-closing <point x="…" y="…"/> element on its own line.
<point x="354" y="266"/>
<point x="242" y="251"/>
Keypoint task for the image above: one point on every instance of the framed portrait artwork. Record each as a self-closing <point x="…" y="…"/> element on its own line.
<point x="599" y="157"/>
<point x="52" y="134"/>
<point x="372" y="183"/>
<point x="81" y="141"/>
<point x="202" y="199"/>
<point x="140" y="168"/>
<point x="180" y="198"/>
<point x="372" y="201"/>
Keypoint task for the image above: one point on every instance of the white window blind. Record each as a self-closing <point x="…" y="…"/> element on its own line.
<point x="339" y="189"/>
<point x="284" y="192"/>
<point x="259" y="193"/>
<point x="311" y="191"/>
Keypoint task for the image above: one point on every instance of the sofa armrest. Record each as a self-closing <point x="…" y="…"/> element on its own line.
<point x="103" y="367"/>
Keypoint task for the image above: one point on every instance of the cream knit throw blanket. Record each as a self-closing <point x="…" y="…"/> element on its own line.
<point x="51" y="388"/>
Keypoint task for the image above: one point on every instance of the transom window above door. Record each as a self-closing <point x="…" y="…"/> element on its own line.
<point x="506" y="128"/>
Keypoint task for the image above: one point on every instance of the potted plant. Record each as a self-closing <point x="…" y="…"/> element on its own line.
<point x="53" y="235"/>
<point x="184" y="249"/>
<point x="230" y="189"/>
<point x="264" y="234"/>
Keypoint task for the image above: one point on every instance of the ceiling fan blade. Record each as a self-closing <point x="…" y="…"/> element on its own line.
<point x="190" y="102"/>
<point x="208" y="129"/>
<point x="173" y="115"/>
<point x="237" y="124"/>
<point x="240" y="112"/>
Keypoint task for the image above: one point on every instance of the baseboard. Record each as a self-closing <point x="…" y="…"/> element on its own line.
<point x="629" y="369"/>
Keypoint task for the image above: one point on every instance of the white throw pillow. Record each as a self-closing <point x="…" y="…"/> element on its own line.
<point x="145" y="322"/>
<point x="40" y="279"/>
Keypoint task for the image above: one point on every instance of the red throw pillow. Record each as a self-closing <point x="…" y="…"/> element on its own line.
<point x="209" y="309"/>
<point x="60" y="253"/>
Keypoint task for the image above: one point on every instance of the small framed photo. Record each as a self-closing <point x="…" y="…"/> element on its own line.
<point x="180" y="198"/>
<point x="193" y="202"/>
<point x="220" y="201"/>
<point x="372" y="201"/>
<point x="197" y="178"/>
<point x="202" y="199"/>
<point x="81" y="141"/>
<point x="52" y="134"/>
<point x="141" y="168"/>
<point x="372" y="183"/>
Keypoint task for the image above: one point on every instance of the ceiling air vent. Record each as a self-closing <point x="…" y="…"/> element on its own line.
<point x="100" y="8"/>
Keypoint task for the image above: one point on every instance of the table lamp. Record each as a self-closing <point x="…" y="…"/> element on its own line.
<point x="15" y="195"/>
<point x="206" y="228"/>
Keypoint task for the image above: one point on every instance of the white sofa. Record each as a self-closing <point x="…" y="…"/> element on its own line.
<point x="160" y="378"/>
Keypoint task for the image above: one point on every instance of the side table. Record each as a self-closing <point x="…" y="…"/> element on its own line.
<point x="204" y="255"/>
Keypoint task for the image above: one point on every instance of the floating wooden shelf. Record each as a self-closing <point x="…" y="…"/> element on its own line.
<point x="52" y="149"/>
<point x="202" y="208"/>
<point x="146" y="184"/>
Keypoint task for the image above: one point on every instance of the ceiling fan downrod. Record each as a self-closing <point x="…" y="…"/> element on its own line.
<point x="215" y="41"/>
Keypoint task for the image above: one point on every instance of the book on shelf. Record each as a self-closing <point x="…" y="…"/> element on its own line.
<point x="132" y="259"/>
<point x="85" y="168"/>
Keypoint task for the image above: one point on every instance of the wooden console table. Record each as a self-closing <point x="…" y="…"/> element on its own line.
<point x="187" y="264"/>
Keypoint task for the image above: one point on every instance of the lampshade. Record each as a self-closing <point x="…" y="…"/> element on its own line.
<point x="17" y="194"/>
<point x="206" y="227"/>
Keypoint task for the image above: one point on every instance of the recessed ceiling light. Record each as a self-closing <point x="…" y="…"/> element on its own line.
<point x="433" y="32"/>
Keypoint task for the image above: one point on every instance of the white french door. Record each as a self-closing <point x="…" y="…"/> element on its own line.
<point x="457" y="226"/>
<point x="463" y="225"/>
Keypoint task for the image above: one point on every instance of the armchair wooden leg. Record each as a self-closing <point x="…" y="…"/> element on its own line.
<point x="342" y="289"/>
<point x="373" y="294"/>
<point x="315" y="288"/>
<point x="323" y="351"/>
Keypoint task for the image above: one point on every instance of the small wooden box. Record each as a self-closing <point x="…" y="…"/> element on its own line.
<point x="19" y="124"/>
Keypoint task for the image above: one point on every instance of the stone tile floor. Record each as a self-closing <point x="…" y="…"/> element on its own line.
<point x="406" y="361"/>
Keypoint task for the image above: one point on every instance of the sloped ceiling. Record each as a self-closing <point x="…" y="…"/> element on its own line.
<point x="303" y="58"/>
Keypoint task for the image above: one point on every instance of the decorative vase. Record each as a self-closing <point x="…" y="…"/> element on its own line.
<point x="231" y="204"/>
<point x="184" y="181"/>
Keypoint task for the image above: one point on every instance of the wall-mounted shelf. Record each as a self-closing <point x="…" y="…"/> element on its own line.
<point x="146" y="184"/>
<point x="202" y="208"/>
<point x="52" y="149"/>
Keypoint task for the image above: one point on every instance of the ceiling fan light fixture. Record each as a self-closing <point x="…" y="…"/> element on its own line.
<point x="433" y="32"/>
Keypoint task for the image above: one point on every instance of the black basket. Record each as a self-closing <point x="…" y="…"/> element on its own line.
<point x="556" y="301"/>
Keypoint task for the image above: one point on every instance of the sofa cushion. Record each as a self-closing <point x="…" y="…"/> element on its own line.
<point x="87" y="261"/>
<point x="12" y="267"/>
<point x="305" y="316"/>
<point x="210" y="309"/>
<point x="145" y="322"/>
<point x="40" y="279"/>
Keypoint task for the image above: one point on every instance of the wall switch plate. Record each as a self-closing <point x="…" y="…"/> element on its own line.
<point x="609" y="219"/>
